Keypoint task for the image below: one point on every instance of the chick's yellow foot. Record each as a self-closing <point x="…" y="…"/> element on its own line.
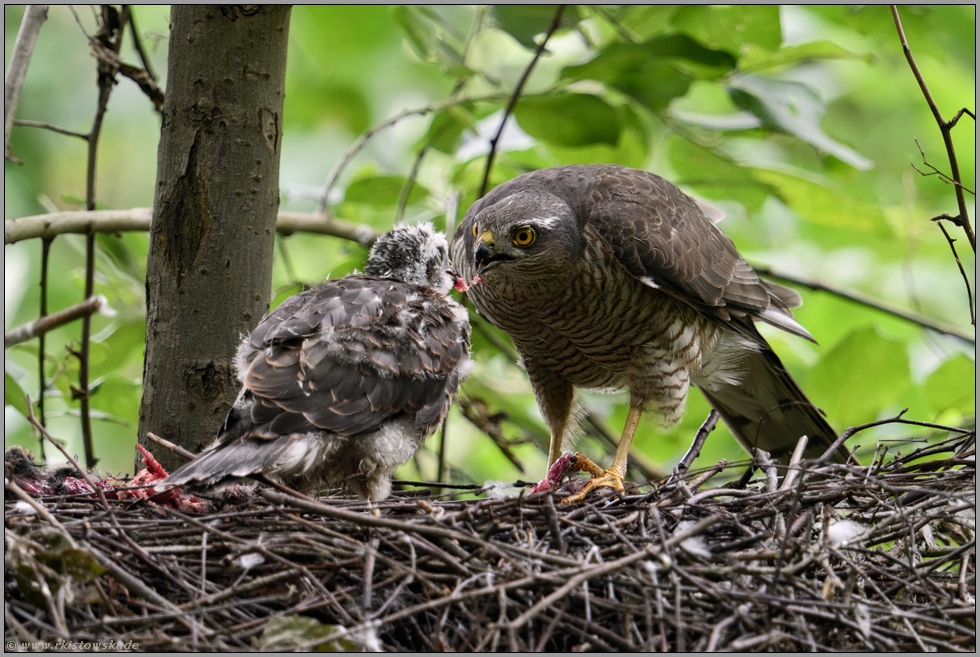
<point x="600" y="478"/>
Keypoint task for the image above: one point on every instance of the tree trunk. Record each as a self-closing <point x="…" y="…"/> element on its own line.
<point x="212" y="236"/>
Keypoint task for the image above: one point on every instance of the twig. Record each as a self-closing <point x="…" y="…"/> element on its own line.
<point x="924" y="322"/>
<point x="515" y="96"/>
<point x="47" y="226"/>
<point x="936" y="172"/>
<point x="373" y="521"/>
<point x="610" y="566"/>
<point x="966" y="279"/>
<point x="53" y="128"/>
<point x="45" y="323"/>
<point x="138" y="46"/>
<point x="685" y="579"/>
<point x="43" y="311"/>
<point x="176" y="449"/>
<point x="963" y="220"/>
<point x="106" y="81"/>
<point x="74" y="463"/>
<point x="84" y="399"/>
<point x="13" y="81"/>
<point x="12" y="486"/>
<point x="355" y="148"/>
<point x="694" y="451"/>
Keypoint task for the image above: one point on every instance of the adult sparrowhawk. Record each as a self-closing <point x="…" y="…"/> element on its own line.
<point x="608" y="278"/>
<point x="342" y="383"/>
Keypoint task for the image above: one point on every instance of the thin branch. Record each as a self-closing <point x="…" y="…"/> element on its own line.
<point x="924" y="322"/>
<point x="43" y="304"/>
<point x="599" y="570"/>
<point x="45" y="323"/>
<point x="138" y="46"/>
<point x="966" y="279"/>
<point x="936" y="172"/>
<point x="111" y="61"/>
<point x="74" y="463"/>
<point x="944" y="127"/>
<point x="49" y="226"/>
<point x="302" y="222"/>
<point x="953" y="121"/>
<point x="406" y="189"/>
<point x="358" y="145"/>
<point x="53" y="128"/>
<point x="516" y="96"/>
<point x="176" y="449"/>
<point x="111" y="32"/>
<point x="13" y="82"/>
<point x="694" y="451"/>
<point x="83" y="356"/>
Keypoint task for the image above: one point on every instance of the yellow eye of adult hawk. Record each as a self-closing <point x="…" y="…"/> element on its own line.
<point x="524" y="236"/>
<point x="474" y="230"/>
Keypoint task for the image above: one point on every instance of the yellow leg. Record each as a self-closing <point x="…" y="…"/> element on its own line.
<point x="613" y="477"/>
<point x="554" y="447"/>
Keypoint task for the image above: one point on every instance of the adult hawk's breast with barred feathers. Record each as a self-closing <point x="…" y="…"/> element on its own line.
<point x="609" y="278"/>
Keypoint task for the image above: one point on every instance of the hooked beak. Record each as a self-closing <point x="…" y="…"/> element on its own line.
<point x="487" y="255"/>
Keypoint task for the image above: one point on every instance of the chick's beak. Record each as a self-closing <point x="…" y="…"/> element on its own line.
<point x="459" y="283"/>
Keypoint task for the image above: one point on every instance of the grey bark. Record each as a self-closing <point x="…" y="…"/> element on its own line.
<point x="212" y="234"/>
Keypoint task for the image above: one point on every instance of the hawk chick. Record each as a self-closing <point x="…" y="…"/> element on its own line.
<point x="341" y="384"/>
<point x="609" y="278"/>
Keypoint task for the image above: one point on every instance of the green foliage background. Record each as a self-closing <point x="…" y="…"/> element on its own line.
<point x="798" y="122"/>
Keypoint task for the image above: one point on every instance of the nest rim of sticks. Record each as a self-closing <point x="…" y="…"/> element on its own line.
<point x="837" y="557"/>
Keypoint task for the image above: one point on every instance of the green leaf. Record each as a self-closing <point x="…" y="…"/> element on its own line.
<point x="433" y="38"/>
<point x="953" y="386"/>
<point x="524" y="22"/>
<point x="655" y="72"/>
<point x="383" y="191"/>
<point x="646" y="21"/>
<point x="448" y="125"/>
<point x="13" y="395"/>
<point x="630" y="150"/>
<point x="792" y="108"/>
<point x="863" y="376"/>
<point x="283" y="633"/>
<point x="418" y="30"/>
<point x="734" y="121"/>
<point x="116" y="399"/>
<point x="754" y="58"/>
<point x="717" y="176"/>
<point x="820" y="205"/>
<point x="569" y="119"/>
<point x="731" y="28"/>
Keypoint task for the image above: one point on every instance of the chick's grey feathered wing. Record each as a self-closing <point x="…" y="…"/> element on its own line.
<point x="349" y="355"/>
<point x="353" y="374"/>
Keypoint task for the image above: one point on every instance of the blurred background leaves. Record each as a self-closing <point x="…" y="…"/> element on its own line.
<point x="798" y="122"/>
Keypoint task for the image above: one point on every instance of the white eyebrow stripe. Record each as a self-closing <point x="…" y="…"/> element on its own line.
<point x="546" y="222"/>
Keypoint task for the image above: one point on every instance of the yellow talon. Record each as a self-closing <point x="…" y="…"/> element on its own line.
<point x="600" y="478"/>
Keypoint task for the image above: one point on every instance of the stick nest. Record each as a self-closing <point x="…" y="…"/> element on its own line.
<point x="876" y="558"/>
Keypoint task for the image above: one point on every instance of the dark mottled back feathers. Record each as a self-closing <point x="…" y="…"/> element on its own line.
<point x="342" y="383"/>
<point x="348" y="355"/>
